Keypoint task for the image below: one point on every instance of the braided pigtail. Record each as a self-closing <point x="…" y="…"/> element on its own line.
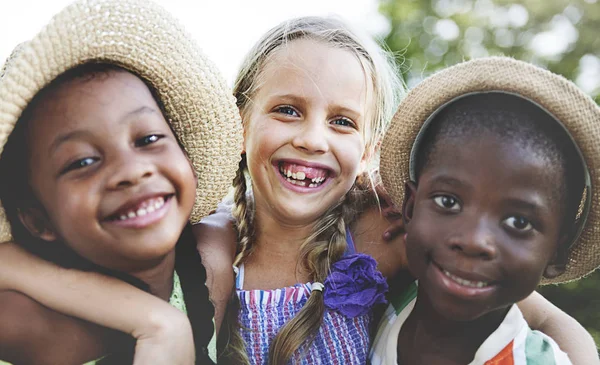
<point x="232" y="347"/>
<point x="322" y="248"/>
<point x="243" y="214"/>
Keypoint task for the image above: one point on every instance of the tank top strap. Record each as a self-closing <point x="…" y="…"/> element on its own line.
<point x="351" y="249"/>
<point x="239" y="276"/>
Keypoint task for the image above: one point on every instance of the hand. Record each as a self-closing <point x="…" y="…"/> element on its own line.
<point x="167" y="340"/>
<point x="391" y="212"/>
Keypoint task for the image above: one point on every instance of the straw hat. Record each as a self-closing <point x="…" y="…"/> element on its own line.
<point x="576" y="111"/>
<point x="143" y="38"/>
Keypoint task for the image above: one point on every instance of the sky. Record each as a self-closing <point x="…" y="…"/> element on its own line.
<point x="225" y="29"/>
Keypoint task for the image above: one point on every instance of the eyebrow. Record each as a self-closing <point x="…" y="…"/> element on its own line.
<point x="293" y="98"/>
<point x="78" y="133"/>
<point x="533" y="204"/>
<point x="450" y="181"/>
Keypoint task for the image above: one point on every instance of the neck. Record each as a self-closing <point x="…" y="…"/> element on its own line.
<point x="278" y="236"/>
<point x="426" y="335"/>
<point x="159" y="276"/>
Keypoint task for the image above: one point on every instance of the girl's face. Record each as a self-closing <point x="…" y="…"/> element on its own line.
<point x="114" y="184"/>
<point x="304" y="131"/>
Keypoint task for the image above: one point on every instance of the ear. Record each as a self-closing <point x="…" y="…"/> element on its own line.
<point x="37" y="223"/>
<point x="558" y="264"/>
<point x="367" y="157"/>
<point x="408" y="205"/>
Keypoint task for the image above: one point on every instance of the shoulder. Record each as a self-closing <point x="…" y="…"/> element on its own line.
<point x="541" y="349"/>
<point x="216" y="241"/>
<point x="34" y="334"/>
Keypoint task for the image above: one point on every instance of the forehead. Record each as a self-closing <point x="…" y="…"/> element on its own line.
<point x="88" y="101"/>
<point x="314" y="69"/>
<point x="495" y="164"/>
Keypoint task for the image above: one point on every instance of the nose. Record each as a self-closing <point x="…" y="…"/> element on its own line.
<point x="475" y="240"/>
<point x="311" y="136"/>
<point x="129" y="170"/>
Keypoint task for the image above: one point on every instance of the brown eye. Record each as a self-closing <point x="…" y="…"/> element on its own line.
<point x="149" y="139"/>
<point x="79" y="164"/>
<point x="447" y="202"/>
<point x="518" y="223"/>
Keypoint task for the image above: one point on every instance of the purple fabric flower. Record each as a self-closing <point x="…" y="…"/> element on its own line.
<point x="354" y="285"/>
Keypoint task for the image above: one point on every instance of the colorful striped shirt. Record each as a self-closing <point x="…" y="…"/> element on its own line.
<point x="512" y="343"/>
<point x="340" y="340"/>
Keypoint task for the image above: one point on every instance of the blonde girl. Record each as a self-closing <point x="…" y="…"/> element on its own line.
<point x="314" y="99"/>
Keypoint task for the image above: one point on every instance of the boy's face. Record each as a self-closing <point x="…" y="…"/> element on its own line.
<point x="482" y="225"/>
<point x="113" y="182"/>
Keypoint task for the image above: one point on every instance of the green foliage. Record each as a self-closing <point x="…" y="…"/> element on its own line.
<point x="581" y="299"/>
<point x="561" y="35"/>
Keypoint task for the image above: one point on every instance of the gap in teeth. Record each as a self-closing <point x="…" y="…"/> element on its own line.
<point x="300" y="177"/>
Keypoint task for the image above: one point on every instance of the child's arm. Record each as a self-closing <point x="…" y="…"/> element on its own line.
<point x="572" y="338"/>
<point x="164" y="333"/>
<point x="216" y="241"/>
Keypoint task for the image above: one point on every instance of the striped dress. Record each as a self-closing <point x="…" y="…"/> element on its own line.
<point x="340" y="340"/>
<point x="512" y="343"/>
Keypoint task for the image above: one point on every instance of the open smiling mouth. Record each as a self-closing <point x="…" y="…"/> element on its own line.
<point x="146" y="207"/>
<point x="462" y="281"/>
<point x="308" y="177"/>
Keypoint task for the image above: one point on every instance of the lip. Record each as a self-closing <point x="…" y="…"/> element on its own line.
<point x="146" y="220"/>
<point x="301" y="189"/>
<point x="315" y="165"/>
<point x="458" y="290"/>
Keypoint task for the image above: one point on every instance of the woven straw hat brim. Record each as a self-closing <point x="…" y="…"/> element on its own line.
<point x="578" y="113"/>
<point x="142" y="37"/>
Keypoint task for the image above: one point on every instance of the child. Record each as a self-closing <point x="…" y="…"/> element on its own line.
<point x="311" y="128"/>
<point x="295" y="103"/>
<point x="502" y="153"/>
<point x="94" y="178"/>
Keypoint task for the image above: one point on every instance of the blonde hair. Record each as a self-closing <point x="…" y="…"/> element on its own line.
<point x="327" y="243"/>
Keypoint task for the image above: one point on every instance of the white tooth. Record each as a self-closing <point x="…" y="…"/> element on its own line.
<point x="140" y="212"/>
<point x="158" y="204"/>
<point x="131" y="214"/>
<point x="300" y="175"/>
<point x="150" y="208"/>
<point x="314" y="179"/>
<point x="289" y="173"/>
<point x="123" y="217"/>
<point x="312" y="185"/>
<point x="294" y="175"/>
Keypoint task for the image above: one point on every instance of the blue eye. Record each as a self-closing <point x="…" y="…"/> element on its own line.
<point x="447" y="202"/>
<point x="344" y="122"/>
<point x="287" y="110"/>
<point x="79" y="164"/>
<point x="518" y="223"/>
<point x="149" y="139"/>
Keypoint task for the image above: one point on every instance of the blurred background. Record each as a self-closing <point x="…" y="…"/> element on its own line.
<point x="425" y="35"/>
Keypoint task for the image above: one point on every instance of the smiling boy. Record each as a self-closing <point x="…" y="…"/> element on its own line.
<point x="493" y="207"/>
